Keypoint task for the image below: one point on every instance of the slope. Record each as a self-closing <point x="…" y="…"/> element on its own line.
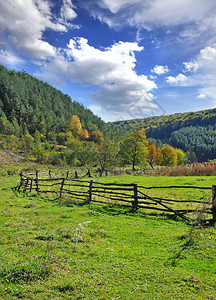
<point x="192" y="131"/>
<point x="32" y="104"/>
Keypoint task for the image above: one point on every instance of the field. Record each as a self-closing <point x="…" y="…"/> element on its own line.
<point x="51" y="250"/>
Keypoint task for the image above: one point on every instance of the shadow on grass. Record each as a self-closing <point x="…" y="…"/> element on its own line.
<point x="189" y="243"/>
<point x="113" y="210"/>
<point x="102" y="208"/>
<point x="179" y="254"/>
<point x="18" y="192"/>
<point x="129" y="211"/>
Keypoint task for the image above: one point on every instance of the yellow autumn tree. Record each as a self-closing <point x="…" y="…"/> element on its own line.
<point x="169" y="156"/>
<point x="75" y="125"/>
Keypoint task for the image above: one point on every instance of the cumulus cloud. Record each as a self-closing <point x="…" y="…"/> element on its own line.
<point x="24" y="22"/>
<point x="159" y="70"/>
<point x="191" y="66"/>
<point x="110" y="70"/>
<point x="203" y="63"/>
<point x="178" y="80"/>
<point x="203" y="72"/>
<point x="67" y="10"/>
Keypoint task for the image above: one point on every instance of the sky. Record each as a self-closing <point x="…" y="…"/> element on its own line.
<point x="123" y="59"/>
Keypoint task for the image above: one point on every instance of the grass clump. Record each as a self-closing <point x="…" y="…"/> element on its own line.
<point x="27" y="271"/>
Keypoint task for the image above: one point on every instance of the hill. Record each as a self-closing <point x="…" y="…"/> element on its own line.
<point x="31" y="105"/>
<point x="192" y="131"/>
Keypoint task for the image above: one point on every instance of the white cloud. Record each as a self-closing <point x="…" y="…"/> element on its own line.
<point x="54" y="70"/>
<point x="96" y="109"/>
<point x="25" y="21"/>
<point x="152" y="12"/>
<point x="67" y="10"/>
<point x="10" y="59"/>
<point x="203" y="65"/>
<point x="201" y="96"/>
<point x="191" y="66"/>
<point x="115" y="6"/>
<point x="203" y="72"/>
<point x="208" y="54"/>
<point x="209" y="90"/>
<point x="111" y="70"/>
<point x="159" y="70"/>
<point x="178" y="80"/>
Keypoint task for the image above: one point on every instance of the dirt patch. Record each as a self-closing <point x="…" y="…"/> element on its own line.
<point x="7" y="157"/>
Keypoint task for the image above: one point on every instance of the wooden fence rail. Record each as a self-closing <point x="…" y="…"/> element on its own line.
<point x="129" y="195"/>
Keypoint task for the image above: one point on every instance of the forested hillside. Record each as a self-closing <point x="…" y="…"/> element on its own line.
<point x="35" y="118"/>
<point x="193" y="131"/>
<point x="31" y="105"/>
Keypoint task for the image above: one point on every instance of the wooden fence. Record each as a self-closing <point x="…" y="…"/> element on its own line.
<point x="129" y="195"/>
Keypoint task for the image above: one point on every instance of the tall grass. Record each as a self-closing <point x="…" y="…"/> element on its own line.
<point x="196" y="169"/>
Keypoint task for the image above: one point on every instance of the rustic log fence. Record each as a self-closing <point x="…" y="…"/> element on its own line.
<point x="129" y="195"/>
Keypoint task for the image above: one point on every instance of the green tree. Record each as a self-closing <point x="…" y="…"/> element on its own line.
<point x="180" y="157"/>
<point x="16" y="127"/>
<point x="29" y="142"/>
<point x="3" y="125"/>
<point x="52" y="137"/>
<point x="190" y="157"/>
<point x="37" y="138"/>
<point x="87" y="154"/>
<point x="133" y="148"/>
<point x="106" y="156"/>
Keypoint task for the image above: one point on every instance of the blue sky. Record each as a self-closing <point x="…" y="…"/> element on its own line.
<point x="123" y="59"/>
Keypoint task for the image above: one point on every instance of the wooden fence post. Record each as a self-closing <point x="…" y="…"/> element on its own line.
<point x="90" y="191"/>
<point x="21" y="180"/>
<point x="76" y="174"/>
<point x="50" y="176"/>
<point x="31" y="184"/>
<point x="36" y="182"/>
<point x="135" y="196"/>
<point x="62" y="186"/>
<point x="88" y="173"/>
<point x="214" y="204"/>
<point x="67" y="174"/>
<point x="26" y="184"/>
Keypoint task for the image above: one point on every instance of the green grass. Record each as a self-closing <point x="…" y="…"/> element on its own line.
<point x="92" y="251"/>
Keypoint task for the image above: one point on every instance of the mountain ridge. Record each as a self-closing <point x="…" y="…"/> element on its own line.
<point x="189" y="131"/>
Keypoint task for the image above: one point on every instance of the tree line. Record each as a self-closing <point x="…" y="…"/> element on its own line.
<point x="48" y="126"/>
<point x="77" y="147"/>
<point x="193" y="131"/>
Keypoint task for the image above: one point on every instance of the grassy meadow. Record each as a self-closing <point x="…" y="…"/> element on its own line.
<point x="50" y="250"/>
